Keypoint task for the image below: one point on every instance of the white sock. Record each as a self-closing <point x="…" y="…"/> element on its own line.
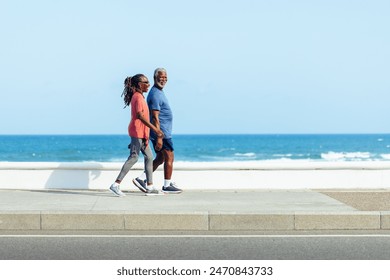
<point x="150" y="187"/>
<point x="167" y="183"/>
<point x="142" y="176"/>
<point x="116" y="184"/>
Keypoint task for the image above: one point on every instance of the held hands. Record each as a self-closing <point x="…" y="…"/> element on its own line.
<point x="160" y="134"/>
<point x="159" y="143"/>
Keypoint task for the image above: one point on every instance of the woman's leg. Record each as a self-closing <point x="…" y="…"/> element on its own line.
<point x="148" y="162"/>
<point x="135" y="147"/>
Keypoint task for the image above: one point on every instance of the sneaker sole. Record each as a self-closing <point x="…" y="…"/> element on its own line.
<point x="142" y="189"/>
<point x="118" y="195"/>
<point x="154" y="194"/>
<point x="172" y="192"/>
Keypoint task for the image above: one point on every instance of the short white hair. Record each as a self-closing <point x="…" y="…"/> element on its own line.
<point x="159" y="70"/>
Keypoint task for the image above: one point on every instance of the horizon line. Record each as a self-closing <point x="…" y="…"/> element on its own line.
<point x="196" y="134"/>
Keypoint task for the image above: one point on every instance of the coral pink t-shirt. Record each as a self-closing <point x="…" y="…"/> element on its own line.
<point x="136" y="127"/>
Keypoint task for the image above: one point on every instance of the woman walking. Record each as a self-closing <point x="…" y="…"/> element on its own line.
<point x="138" y="130"/>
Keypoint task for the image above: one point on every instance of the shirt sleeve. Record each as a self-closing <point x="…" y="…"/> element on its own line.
<point x="155" y="103"/>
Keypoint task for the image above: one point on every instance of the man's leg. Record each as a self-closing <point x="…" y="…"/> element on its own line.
<point x="169" y="186"/>
<point x="168" y="157"/>
<point x="165" y="156"/>
<point x="158" y="160"/>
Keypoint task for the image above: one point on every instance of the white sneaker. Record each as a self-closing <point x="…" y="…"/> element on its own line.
<point x="153" y="191"/>
<point x="116" y="191"/>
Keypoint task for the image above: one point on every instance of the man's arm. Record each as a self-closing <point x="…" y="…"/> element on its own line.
<point x="155" y="118"/>
<point x="156" y="123"/>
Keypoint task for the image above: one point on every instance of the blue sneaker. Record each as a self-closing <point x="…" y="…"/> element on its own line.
<point x="172" y="188"/>
<point x="141" y="184"/>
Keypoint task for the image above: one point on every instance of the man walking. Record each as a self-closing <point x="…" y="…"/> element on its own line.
<point x="161" y="117"/>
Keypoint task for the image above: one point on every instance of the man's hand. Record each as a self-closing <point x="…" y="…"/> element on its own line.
<point x="159" y="144"/>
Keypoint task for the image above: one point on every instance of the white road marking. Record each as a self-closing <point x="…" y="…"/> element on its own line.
<point x="199" y="236"/>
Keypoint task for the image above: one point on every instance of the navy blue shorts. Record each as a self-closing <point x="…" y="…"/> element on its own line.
<point x="167" y="145"/>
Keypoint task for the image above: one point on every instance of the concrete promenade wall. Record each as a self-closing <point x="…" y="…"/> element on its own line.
<point x="197" y="176"/>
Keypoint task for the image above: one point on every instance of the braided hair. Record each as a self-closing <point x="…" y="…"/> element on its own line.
<point x="128" y="91"/>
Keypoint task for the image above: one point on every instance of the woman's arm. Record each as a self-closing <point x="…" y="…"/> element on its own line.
<point x="141" y="117"/>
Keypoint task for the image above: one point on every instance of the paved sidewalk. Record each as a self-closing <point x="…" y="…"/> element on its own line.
<point x="191" y="211"/>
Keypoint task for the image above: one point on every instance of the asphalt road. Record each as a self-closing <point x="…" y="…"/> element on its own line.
<point x="193" y="247"/>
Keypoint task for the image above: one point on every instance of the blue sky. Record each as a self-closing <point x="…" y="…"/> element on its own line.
<point x="248" y="66"/>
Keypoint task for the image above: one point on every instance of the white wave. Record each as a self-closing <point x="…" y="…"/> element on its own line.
<point x="385" y="156"/>
<point x="226" y="150"/>
<point x="245" y="154"/>
<point x="282" y="155"/>
<point x="380" y="139"/>
<point x="282" y="159"/>
<point x="333" y="156"/>
<point x="215" y="159"/>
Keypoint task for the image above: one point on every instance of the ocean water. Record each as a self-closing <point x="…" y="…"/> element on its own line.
<point x="200" y="148"/>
